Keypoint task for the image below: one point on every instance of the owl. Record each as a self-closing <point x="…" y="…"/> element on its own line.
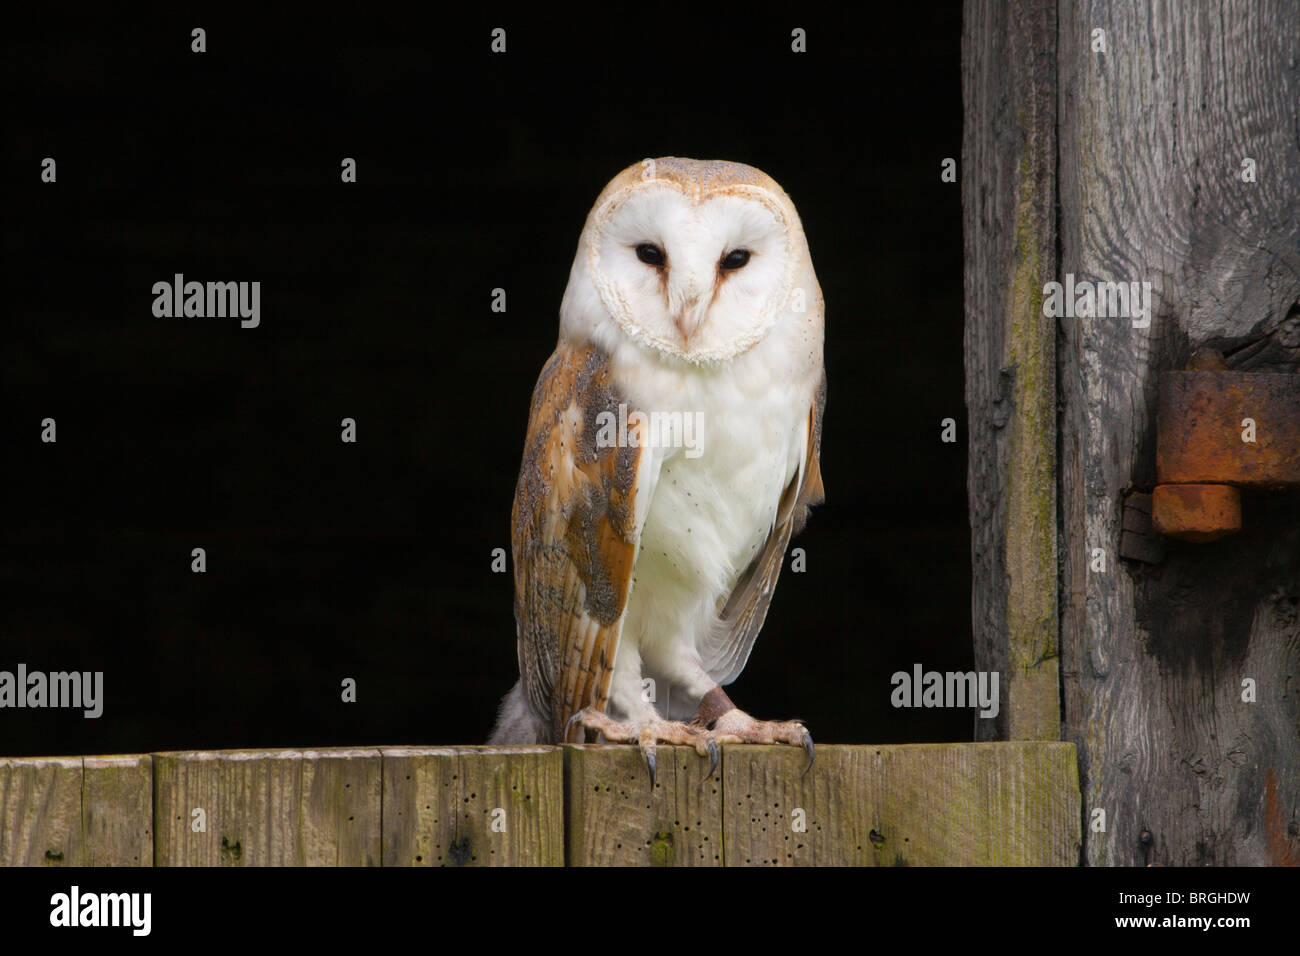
<point x="672" y="451"/>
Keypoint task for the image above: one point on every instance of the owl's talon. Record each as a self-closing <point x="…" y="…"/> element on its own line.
<point x="651" y="765"/>
<point x="808" y="748"/>
<point x="576" y="718"/>
<point x="713" y="757"/>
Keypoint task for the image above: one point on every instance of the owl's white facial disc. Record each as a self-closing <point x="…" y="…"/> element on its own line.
<point x="701" y="279"/>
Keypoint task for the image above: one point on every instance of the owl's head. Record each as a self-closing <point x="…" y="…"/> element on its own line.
<point x="697" y="259"/>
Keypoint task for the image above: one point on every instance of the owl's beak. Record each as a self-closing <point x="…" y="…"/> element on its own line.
<point x="689" y="318"/>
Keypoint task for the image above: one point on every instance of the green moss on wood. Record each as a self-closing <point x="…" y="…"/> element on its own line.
<point x="1032" y="694"/>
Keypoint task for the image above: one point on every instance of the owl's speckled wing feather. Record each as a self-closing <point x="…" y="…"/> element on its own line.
<point x="727" y="647"/>
<point x="575" y="525"/>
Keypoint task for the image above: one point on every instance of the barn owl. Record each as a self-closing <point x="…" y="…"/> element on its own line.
<point x="672" y="451"/>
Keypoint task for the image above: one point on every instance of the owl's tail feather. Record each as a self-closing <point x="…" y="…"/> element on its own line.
<point x="517" y="724"/>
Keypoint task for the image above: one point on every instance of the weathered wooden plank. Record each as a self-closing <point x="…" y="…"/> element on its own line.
<point x="74" y="811"/>
<point x="473" y="806"/>
<point x="268" y="808"/>
<point x="342" y="820"/>
<point x="1154" y="133"/>
<point x="981" y="804"/>
<point x="40" y="811"/>
<point x="615" y="819"/>
<point x="1008" y="177"/>
<point x="117" y="810"/>
<point x="927" y="804"/>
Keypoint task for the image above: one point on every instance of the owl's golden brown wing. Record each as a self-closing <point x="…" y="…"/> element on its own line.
<point x="575" y="525"/>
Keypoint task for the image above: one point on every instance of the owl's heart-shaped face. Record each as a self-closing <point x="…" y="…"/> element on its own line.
<point x="698" y="274"/>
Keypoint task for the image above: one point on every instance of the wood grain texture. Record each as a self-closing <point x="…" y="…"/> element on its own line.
<point x="440" y="806"/>
<point x="615" y="819"/>
<point x="1152" y="137"/>
<point x="1008" y="209"/>
<point x="930" y="804"/>
<point x="984" y="804"/>
<point x="117" y="810"/>
<point x="269" y="808"/>
<point x="40" y="811"/>
<point x="74" y="811"/>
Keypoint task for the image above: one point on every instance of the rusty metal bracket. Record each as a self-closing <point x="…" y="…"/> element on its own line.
<point x="1218" y="432"/>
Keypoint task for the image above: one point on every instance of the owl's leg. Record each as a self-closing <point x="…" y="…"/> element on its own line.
<point x="725" y="723"/>
<point x="718" y="719"/>
<point x="642" y="725"/>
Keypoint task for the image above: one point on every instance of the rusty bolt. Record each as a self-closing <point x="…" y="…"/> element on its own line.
<point x="1202" y="455"/>
<point x="1196" y="512"/>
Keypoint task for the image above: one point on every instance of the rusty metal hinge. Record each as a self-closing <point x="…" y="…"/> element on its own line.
<point x="1219" y="431"/>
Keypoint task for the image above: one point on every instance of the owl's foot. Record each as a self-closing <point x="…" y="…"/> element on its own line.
<point x="728" y="724"/>
<point x="737" y="727"/>
<point x="646" y="734"/>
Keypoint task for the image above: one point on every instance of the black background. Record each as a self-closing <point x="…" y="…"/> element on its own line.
<point x="329" y="560"/>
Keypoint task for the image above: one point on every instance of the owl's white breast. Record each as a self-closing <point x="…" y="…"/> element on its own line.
<point x="708" y="515"/>
<point x="711" y="513"/>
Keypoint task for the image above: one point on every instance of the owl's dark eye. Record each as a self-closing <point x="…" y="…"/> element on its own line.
<point x="735" y="259"/>
<point x="650" y="254"/>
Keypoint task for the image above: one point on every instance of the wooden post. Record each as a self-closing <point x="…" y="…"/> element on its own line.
<point x="268" y="808"/>
<point x="929" y="804"/>
<point x="40" y="816"/>
<point x="1162" y="109"/>
<point x="1013" y="804"/>
<point x="1008" y="205"/>
<point x="615" y="819"/>
<point x="117" y="810"/>
<point x="75" y="811"/>
<point x="473" y="806"/>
